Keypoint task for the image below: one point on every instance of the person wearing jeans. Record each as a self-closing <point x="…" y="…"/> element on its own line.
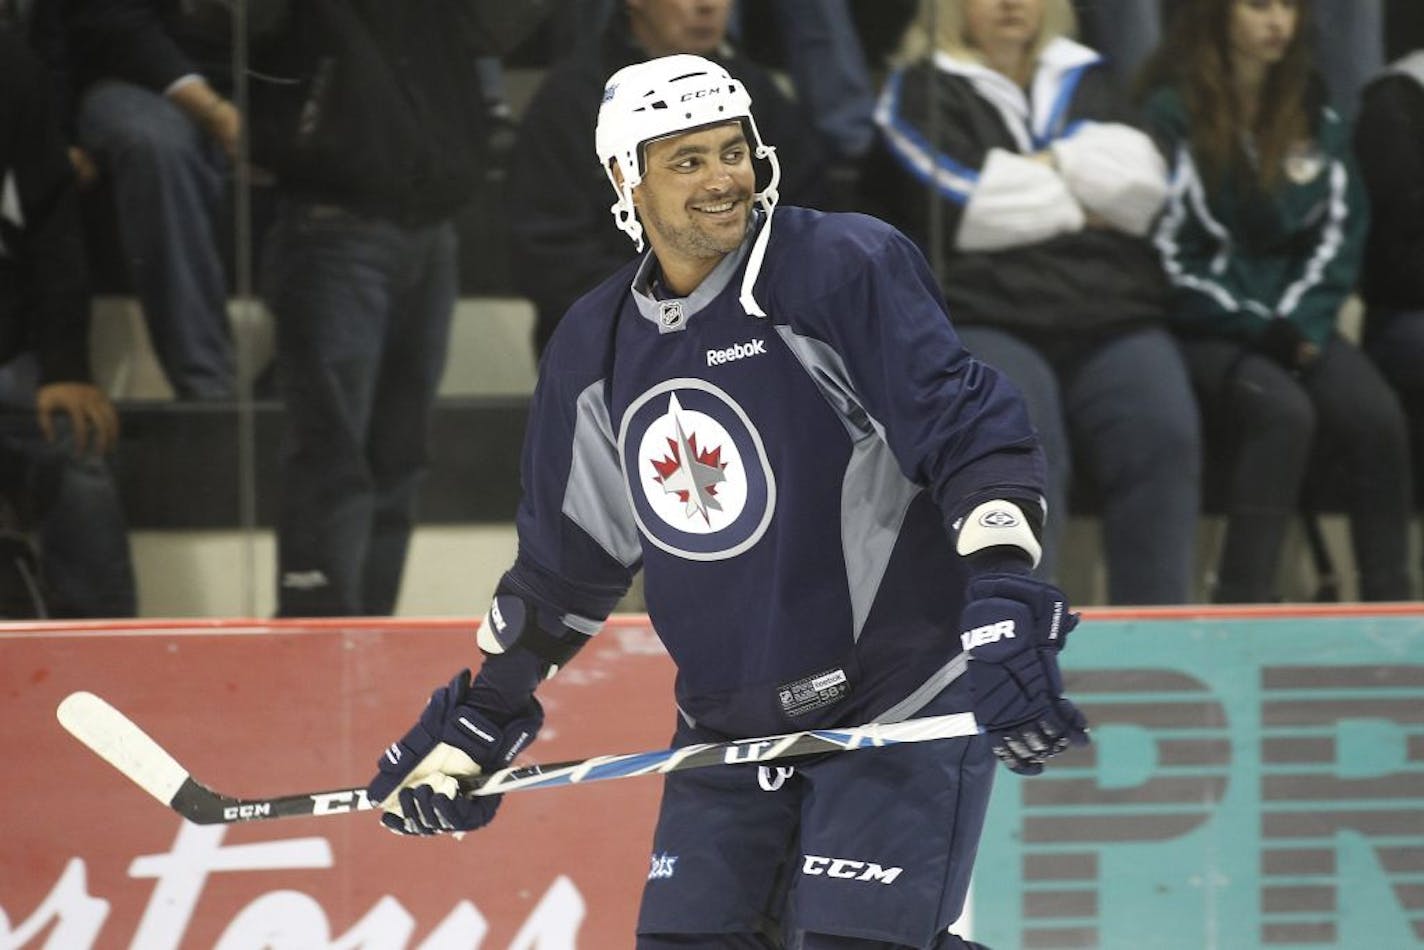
<point x="151" y="119"/>
<point x="362" y="309"/>
<point x="1039" y="218"/>
<point x="56" y="427"/>
<point x="1262" y="239"/>
<point x="65" y="497"/>
<point x="383" y="148"/>
<point x="1076" y="398"/>
<point x="168" y="180"/>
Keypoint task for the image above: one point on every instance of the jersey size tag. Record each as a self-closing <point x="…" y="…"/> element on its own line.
<point x="813" y="692"/>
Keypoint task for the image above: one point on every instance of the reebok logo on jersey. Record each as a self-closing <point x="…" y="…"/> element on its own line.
<point x="817" y="866"/>
<point x="989" y="633"/>
<point x="756" y="347"/>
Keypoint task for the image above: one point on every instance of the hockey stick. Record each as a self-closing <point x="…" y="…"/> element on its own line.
<point x="115" y="738"/>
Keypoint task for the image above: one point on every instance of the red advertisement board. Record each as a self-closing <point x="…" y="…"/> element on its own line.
<point x="87" y="859"/>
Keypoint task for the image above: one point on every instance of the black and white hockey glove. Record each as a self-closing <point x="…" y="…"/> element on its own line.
<point x="418" y="785"/>
<point x="1013" y="628"/>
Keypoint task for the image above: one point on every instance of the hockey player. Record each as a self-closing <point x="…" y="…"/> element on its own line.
<point x="836" y="510"/>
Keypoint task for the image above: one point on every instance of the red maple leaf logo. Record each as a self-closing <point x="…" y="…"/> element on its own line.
<point x="672" y="462"/>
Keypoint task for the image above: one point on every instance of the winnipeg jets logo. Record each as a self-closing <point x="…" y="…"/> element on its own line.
<point x="692" y="470"/>
<point x="696" y="470"/>
<point x="689" y="473"/>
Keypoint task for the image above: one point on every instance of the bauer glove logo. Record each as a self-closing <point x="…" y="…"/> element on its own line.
<point x="989" y="633"/>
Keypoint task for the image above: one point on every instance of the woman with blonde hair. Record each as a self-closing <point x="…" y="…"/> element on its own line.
<point x="1262" y="241"/>
<point x="1015" y="167"/>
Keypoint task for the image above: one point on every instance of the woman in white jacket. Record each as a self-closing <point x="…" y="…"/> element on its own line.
<point x="1015" y="167"/>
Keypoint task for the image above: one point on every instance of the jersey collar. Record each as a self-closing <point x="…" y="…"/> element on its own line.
<point x="672" y="314"/>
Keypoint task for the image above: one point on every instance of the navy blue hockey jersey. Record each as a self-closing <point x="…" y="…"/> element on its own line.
<point x="785" y="482"/>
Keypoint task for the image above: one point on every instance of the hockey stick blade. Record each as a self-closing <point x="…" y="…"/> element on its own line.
<point x="116" y="739"/>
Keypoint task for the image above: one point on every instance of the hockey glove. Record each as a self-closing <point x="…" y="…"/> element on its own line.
<point x="1014" y="627"/>
<point x="418" y="783"/>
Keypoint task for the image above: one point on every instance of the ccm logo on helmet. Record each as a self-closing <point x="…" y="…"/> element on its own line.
<point x="848" y="870"/>
<point x="700" y="93"/>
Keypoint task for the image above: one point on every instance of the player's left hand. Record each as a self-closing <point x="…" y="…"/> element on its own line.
<point x="1014" y="626"/>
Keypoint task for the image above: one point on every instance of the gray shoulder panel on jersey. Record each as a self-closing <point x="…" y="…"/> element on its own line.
<point x="596" y="498"/>
<point x="875" y="494"/>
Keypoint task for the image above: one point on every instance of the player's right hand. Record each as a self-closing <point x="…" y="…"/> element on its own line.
<point x="1013" y="628"/>
<point x="417" y="786"/>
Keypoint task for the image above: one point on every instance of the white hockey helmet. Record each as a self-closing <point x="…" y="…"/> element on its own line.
<point x="668" y="96"/>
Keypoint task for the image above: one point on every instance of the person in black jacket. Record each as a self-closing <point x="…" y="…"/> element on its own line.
<point x="151" y="116"/>
<point x="558" y="203"/>
<point x="1014" y="137"/>
<point x="375" y="136"/>
<point x="1389" y="147"/>
<point x="56" y="426"/>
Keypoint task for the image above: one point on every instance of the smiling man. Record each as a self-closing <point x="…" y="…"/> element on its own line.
<point x="561" y="245"/>
<point x="697" y="201"/>
<point x="835" y="507"/>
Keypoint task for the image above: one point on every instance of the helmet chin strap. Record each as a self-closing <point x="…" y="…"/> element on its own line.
<point x="767" y="199"/>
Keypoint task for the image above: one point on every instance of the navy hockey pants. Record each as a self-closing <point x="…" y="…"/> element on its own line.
<point x="875" y="844"/>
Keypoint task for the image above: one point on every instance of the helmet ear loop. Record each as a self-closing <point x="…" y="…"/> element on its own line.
<point x="770" y="195"/>
<point x="625" y="214"/>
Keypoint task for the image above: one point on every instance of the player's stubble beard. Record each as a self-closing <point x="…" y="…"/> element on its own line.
<point x="692" y="240"/>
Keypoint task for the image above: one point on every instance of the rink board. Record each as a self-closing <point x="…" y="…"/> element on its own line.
<point x="270" y="710"/>
<point x="1257" y="781"/>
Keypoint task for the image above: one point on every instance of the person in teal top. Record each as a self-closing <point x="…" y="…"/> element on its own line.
<point x="1261" y="240"/>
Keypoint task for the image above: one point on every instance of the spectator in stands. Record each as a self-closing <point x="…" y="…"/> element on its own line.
<point x="1262" y="240"/>
<point x="559" y="195"/>
<point x="1124" y="31"/>
<point x="1349" y="40"/>
<point x="150" y="113"/>
<point x="1017" y="170"/>
<point x="360" y="274"/>
<point x="816" y="39"/>
<point x="1389" y="143"/>
<point x="1404" y="28"/>
<point x="56" y="426"/>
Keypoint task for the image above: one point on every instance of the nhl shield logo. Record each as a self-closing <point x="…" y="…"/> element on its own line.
<point x="671" y="315"/>
<point x="696" y="470"/>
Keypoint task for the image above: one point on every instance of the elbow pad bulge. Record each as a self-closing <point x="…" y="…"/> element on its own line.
<point x="514" y="622"/>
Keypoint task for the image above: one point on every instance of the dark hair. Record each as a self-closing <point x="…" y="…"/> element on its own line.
<point x="1195" y="58"/>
